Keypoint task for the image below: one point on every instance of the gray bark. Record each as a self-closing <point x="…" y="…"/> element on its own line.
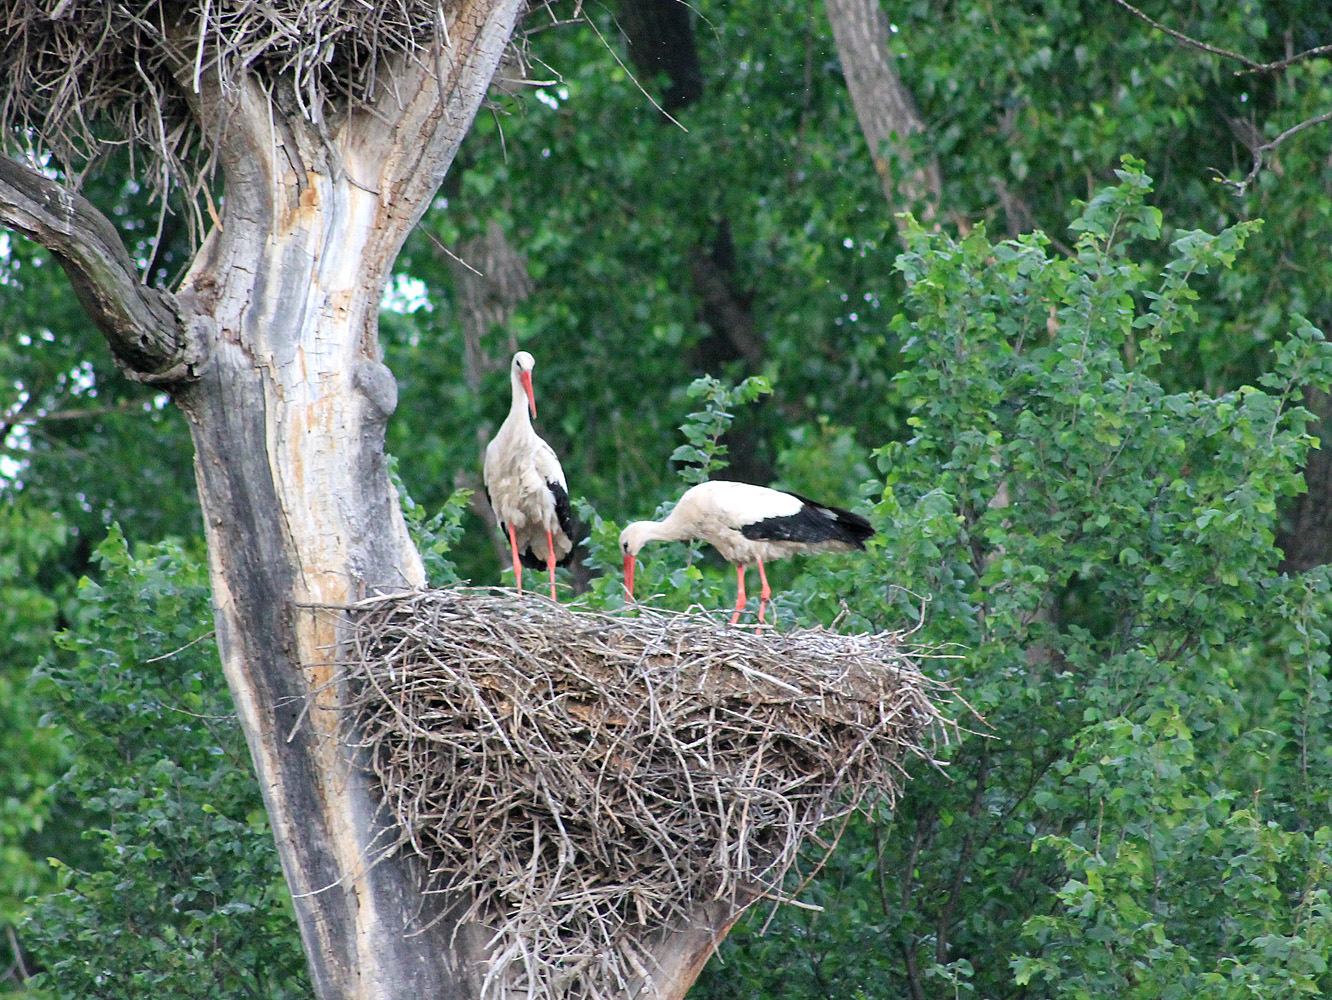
<point x="288" y="422"/>
<point x="885" y="108"/>
<point x="270" y="348"/>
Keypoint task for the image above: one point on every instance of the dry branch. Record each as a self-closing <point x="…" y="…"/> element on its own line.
<point x="140" y="323"/>
<point x="585" y="779"/>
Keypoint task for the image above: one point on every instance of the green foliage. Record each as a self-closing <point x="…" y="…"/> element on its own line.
<point x="184" y="897"/>
<point x="704" y="455"/>
<point x="612" y="206"/>
<point x="670" y="575"/>
<point x="1177" y="890"/>
<point x="611" y="239"/>
<point x="79" y="447"/>
<point x="32" y="754"/>
<point x="70" y="425"/>
<point x="1142" y="810"/>
<point x="434" y="535"/>
<point x="823" y="459"/>
<point x="1031" y="107"/>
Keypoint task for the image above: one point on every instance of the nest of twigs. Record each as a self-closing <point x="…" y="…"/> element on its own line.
<point x="89" y="75"/>
<point x="585" y="779"/>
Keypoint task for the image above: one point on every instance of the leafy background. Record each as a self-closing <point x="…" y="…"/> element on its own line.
<point x="1077" y="417"/>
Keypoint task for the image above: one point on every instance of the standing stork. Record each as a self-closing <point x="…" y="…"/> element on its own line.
<point x="747" y="524"/>
<point x="525" y="484"/>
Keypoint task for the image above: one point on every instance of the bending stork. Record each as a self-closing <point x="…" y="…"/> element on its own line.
<point x="748" y="524"/>
<point x="526" y="486"/>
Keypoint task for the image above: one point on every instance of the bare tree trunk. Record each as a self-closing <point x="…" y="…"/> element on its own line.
<point x="288" y="421"/>
<point x="271" y="350"/>
<point x="885" y="108"/>
<point x="681" y="953"/>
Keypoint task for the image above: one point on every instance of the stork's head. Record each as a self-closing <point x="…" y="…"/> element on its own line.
<point x="523" y="363"/>
<point x="632" y="539"/>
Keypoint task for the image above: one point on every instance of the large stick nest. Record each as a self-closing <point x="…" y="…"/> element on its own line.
<point x="585" y="779"/>
<point x="87" y="75"/>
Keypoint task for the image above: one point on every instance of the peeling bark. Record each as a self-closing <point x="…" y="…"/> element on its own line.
<point x="288" y="423"/>
<point x="271" y="350"/>
<point x="681" y="953"/>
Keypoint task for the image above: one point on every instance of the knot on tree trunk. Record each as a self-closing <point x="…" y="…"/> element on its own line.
<point x="586" y="780"/>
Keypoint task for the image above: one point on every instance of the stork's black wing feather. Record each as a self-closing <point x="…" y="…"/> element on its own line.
<point x="814" y="522"/>
<point x="564" y="514"/>
<point x="528" y="558"/>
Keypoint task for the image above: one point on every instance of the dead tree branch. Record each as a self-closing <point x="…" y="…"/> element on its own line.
<point x="140" y="323"/>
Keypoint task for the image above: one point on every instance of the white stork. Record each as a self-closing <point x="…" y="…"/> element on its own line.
<point x="748" y="524"/>
<point x="526" y="486"/>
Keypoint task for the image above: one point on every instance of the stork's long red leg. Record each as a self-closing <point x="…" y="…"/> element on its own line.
<point x="517" y="564"/>
<point x="550" y="563"/>
<point x="764" y="592"/>
<point x="740" y="599"/>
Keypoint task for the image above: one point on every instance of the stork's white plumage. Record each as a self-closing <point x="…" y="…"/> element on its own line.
<point x="748" y="524"/>
<point x="526" y="485"/>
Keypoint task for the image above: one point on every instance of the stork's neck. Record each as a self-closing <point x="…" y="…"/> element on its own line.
<point x="671" y="528"/>
<point x="518" y="406"/>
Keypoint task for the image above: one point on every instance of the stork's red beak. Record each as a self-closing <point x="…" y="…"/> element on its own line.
<point x="526" y="378"/>
<point x="629" y="563"/>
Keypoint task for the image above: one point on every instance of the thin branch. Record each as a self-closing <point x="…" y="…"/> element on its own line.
<point x="439" y="245"/>
<point x="1241" y="186"/>
<point x="91" y="413"/>
<point x="630" y="73"/>
<point x="18" y="954"/>
<point x="1291" y="60"/>
<point x="166" y="656"/>
<point x="1251" y="66"/>
<point x="1187" y="40"/>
